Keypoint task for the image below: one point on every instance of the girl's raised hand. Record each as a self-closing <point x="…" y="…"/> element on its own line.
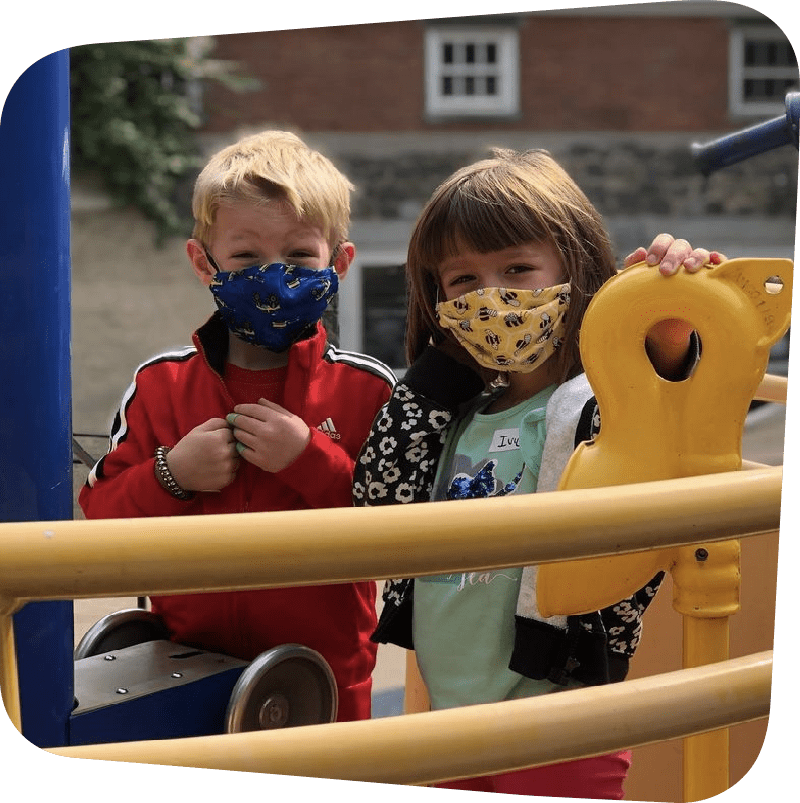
<point x="668" y="342"/>
<point x="670" y="253"/>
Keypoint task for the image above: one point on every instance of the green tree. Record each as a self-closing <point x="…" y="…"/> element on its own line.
<point x="134" y="112"/>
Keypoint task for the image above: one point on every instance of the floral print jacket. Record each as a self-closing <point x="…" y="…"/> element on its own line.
<point x="397" y="465"/>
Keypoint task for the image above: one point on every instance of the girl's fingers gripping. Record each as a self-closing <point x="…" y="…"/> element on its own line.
<point x="639" y="255"/>
<point x="696" y="260"/>
<point x="699" y="257"/>
<point x="659" y="248"/>
<point x="673" y="258"/>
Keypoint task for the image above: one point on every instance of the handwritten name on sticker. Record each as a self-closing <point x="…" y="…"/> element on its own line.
<point x="505" y="440"/>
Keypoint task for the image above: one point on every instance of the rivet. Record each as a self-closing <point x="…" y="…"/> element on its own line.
<point x="177" y="674"/>
<point x="120" y="690"/>
<point x="701" y="554"/>
<point x="109" y="657"/>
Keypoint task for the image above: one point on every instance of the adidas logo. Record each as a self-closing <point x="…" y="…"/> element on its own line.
<point x="329" y="429"/>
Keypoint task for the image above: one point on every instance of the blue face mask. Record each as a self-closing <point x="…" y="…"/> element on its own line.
<point x="273" y="305"/>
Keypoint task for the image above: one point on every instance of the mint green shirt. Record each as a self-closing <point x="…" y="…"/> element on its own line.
<point x="463" y="623"/>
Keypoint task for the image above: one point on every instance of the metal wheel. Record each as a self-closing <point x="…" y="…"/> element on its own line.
<point x="284" y="687"/>
<point x="119" y="630"/>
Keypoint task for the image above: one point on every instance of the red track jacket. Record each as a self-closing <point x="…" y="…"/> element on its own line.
<point x="341" y="392"/>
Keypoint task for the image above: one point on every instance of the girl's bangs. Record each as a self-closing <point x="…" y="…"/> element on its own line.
<point x="469" y="223"/>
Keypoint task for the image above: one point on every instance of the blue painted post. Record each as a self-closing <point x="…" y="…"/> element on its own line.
<point x="35" y="389"/>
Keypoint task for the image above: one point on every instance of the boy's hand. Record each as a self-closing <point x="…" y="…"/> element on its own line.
<point x="268" y="435"/>
<point x="205" y="459"/>
<point x="669" y="254"/>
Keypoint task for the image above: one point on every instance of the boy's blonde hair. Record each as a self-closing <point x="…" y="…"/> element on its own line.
<point x="508" y="199"/>
<point x="274" y="165"/>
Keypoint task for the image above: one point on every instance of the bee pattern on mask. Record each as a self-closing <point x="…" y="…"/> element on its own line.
<point x="546" y="325"/>
<point x="511" y="329"/>
<point x="521" y="344"/>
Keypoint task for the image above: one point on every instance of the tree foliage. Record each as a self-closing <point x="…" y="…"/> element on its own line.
<point x="134" y="113"/>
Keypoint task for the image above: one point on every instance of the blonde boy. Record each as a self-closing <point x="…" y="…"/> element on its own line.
<point x="262" y="412"/>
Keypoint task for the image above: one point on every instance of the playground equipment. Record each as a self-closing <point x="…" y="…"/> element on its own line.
<point x="740" y="309"/>
<point x="741" y="145"/>
<point x="48" y="559"/>
<point x="132" y="682"/>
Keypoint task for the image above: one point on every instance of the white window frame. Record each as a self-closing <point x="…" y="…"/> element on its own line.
<point x="506" y="68"/>
<point x="740" y="35"/>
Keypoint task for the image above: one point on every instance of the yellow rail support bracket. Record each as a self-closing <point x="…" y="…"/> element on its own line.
<point x="9" y="680"/>
<point x="654" y="429"/>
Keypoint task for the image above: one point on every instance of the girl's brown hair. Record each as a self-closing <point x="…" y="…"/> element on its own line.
<point x="509" y="199"/>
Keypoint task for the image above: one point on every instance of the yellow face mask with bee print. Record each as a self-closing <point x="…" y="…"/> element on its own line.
<point x="508" y="330"/>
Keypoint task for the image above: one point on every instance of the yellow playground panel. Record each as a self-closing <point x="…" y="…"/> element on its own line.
<point x="670" y="495"/>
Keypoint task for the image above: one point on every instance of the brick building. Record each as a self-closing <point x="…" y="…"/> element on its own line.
<point x="617" y="94"/>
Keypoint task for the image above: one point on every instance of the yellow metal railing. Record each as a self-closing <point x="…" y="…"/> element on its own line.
<point x="135" y="557"/>
<point x="482" y="739"/>
<point x="83" y="559"/>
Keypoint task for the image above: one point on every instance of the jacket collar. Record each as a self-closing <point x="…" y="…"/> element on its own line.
<point x="211" y="340"/>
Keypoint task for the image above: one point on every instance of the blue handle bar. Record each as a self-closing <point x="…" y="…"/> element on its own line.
<point x="741" y="145"/>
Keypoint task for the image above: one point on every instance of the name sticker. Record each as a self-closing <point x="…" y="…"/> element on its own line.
<point x="505" y="440"/>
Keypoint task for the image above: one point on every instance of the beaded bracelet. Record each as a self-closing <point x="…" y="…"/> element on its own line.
<point x="165" y="478"/>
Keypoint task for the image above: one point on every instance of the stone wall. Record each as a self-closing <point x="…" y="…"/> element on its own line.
<point x="623" y="178"/>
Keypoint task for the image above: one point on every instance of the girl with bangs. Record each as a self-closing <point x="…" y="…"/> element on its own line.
<point x="501" y="267"/>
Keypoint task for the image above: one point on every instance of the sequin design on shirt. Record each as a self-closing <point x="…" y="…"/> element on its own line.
<point x="484" y="484"/>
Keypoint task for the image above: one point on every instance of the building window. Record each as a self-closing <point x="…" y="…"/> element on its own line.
<point x="763" y="70"/>
<point x="371" y="312"/>
<point x="384" y="311"/>
<point x="471" y="70"/>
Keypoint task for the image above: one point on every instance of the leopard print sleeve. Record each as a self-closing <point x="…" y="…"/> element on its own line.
<point x="623" y="621"/>
<point x="397" y="464"/>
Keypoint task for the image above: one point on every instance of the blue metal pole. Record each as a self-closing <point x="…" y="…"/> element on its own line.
<point x="35" y="388"/>
<point x="759" y="138"/>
